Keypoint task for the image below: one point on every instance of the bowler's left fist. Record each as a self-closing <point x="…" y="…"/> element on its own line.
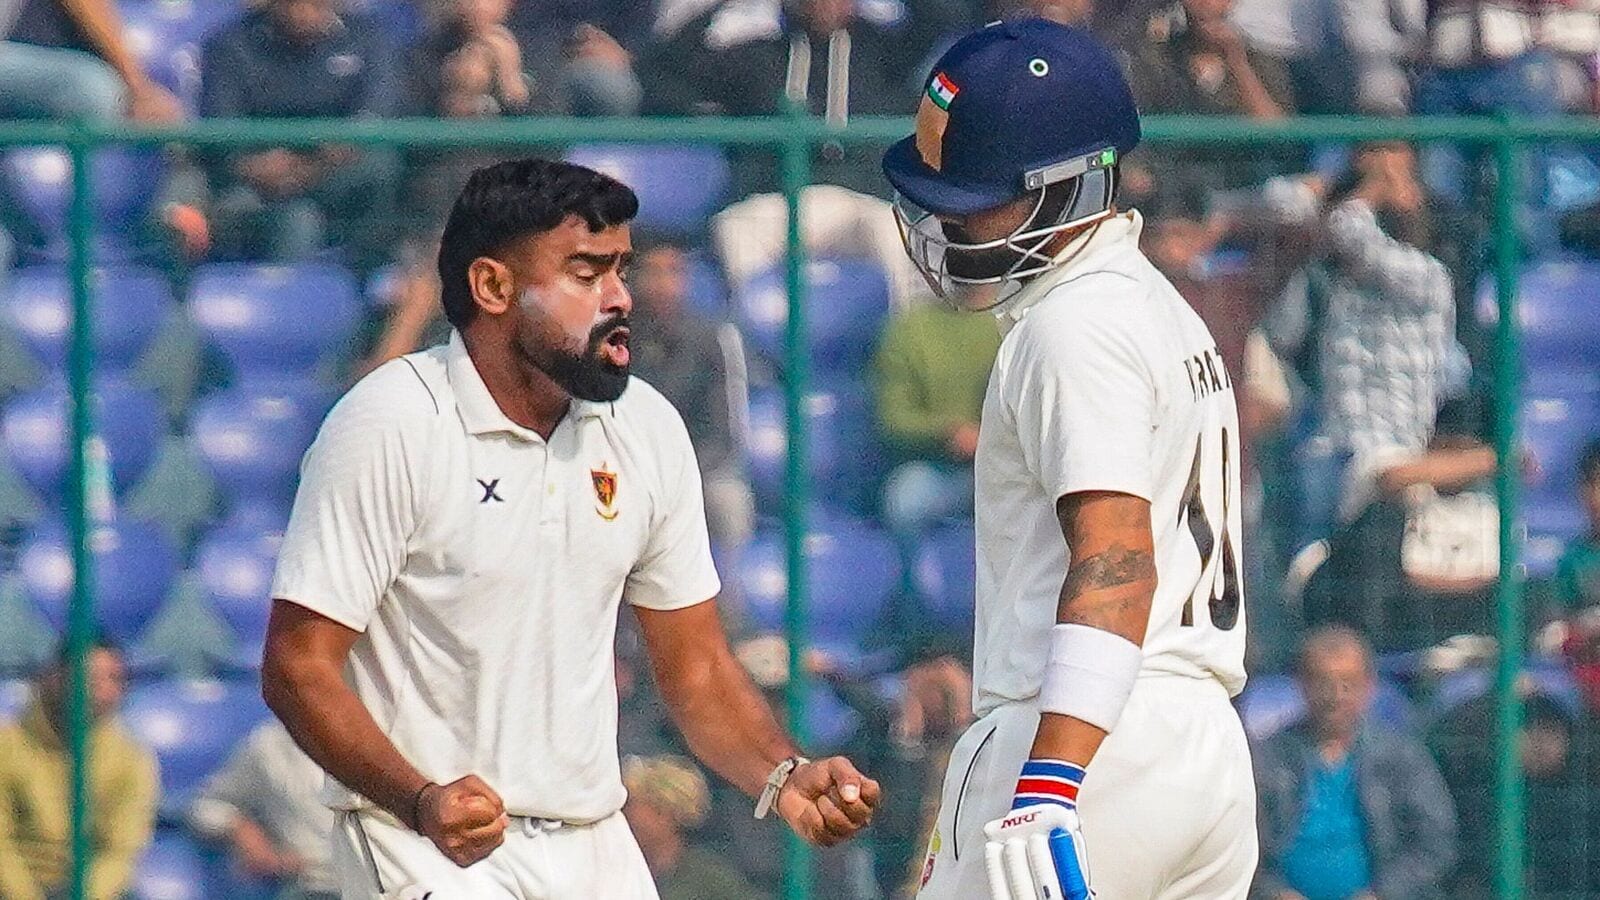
<point x="827" y="801"/>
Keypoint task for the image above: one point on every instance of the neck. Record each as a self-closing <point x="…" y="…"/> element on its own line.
<point x="1334" y="747"/>
<point x="525" y="394"/>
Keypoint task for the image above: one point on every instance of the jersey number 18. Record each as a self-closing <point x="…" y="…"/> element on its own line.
<point x="1222" y="600"/>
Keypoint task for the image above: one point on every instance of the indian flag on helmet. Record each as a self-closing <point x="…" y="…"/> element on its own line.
<point x="942" y="90"/>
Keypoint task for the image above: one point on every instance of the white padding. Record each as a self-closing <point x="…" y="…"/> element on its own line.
<point x="1090" y="674"/>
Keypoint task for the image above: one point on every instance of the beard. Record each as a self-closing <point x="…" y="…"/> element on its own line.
<point x="580" y="370"/>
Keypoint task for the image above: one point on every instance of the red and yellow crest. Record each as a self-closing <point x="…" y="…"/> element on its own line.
<point x="605" y="491"/>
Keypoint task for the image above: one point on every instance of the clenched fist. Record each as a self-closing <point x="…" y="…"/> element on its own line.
<point x="465" y="819"/>
<point x="827" y="801"/>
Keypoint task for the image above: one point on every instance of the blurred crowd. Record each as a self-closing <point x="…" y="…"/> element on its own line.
<point x="1349" y="286"/>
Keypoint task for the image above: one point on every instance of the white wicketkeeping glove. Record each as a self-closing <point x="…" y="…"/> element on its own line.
<point x="1036" y="851"/>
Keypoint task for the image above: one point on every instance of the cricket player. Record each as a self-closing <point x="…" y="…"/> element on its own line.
<point x="468" y="521"/>
<point x="1107" y="760"/>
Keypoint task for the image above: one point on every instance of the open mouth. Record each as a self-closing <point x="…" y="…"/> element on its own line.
<point x="615" y="347"/>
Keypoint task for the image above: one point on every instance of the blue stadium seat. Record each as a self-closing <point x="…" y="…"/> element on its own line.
<point x="235" y="569"/>
<point x="1560" y="416"/>
<point x="708" y="290"/>
<point x="166" y="37"/>
<point x="130" y="306"/>
<point x="1556" y="309"/>
<point x="275" y="321"/>
<point x="944" y="572"/>
<point x="34" y="429"/>
<point x="173" y="867"/>
<point x="1465" y="685"/>
<point x="135" y="566"/>
<point x="853" y="571"/>
<point x="830" y="723"/>
<point x="844" y="456"/>
<point x="192" y="725"/>
<point x="847" y="302"/>
<point x="124" y="180"/>
<point x="679" y="185"/>
<point x="251" y="439"/>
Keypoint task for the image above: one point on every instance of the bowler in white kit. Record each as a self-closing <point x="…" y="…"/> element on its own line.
<point x="469" y="520"/>
<point x="1107" y="760"/>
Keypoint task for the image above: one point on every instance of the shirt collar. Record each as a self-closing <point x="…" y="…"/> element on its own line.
<point x="1077" y="256"/>
<point x="480" y="412"/>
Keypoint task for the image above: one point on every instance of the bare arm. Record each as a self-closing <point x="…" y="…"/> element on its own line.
<point x="731" y="729"/>
<point x="1258" y="102"/>
<point x="712" y="701"/>
<point x="1448" y="470"/>
<point x="102" y="25"/>
<point x="1110" y="584"/>
<point x="302" y="680"/>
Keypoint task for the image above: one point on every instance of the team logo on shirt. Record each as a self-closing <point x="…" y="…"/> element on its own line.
<point x="933" y="853"/>
<point x="605" y="491"/>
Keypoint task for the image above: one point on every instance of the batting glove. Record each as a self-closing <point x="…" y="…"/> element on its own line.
<point x="1036" y="851"/>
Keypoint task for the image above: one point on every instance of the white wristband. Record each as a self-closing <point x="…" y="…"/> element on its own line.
<point x="1090" y="674"/>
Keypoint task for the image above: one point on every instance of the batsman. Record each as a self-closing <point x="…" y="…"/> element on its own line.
<point x="1107" y="759"/>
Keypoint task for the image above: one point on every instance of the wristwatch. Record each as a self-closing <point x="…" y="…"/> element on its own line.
<point x="775" y="782"/>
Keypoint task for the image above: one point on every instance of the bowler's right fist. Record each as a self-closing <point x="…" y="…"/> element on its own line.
<point x="465" y="819"/>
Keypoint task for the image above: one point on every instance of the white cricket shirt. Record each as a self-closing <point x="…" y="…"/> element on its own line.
<point x="484" y="567"/>
<point x="1107" y="380"/>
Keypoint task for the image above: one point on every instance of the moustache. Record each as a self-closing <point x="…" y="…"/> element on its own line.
<point x="599" y="333"/>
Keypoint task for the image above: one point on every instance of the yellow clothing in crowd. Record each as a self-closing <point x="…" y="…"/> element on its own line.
<point x="35" y="808"/>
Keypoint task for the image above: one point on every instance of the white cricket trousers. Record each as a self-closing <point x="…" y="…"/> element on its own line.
<point x="377" y="859"/>
<point x="1168" y="804"/>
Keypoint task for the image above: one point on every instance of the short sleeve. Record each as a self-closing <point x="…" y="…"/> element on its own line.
<point x="676" y="570"/>
<point x="353" y="513"/>
<point x="1083" y="397"/>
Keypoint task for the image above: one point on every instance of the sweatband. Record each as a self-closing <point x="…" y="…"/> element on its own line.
<point x="1090" y="674"/>
<point x="1048" y="781"/>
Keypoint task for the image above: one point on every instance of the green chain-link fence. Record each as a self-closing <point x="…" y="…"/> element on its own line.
<point x="795" y="140"/>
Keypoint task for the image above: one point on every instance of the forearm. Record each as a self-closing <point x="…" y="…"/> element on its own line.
<point x="102" y="25"/>
<point x="1109" y="587"/>
<point x="727" y="722"/>
<point x="334" y="728"/>
<point x="1258" y="103"/>
<point x="1443" y="469"/>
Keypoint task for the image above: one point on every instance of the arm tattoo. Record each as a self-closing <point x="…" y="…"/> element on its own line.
<point x="1119" y="575"/>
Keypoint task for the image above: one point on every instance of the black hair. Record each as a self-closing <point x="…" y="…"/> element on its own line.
<point x="98" y="640"/>
<point x="1589" y="463"/>
<point x="514" y="199"/>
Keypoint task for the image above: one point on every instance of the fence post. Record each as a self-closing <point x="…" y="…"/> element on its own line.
<point x="796" y="350"/>
<point x="1510" y="841"/>
<point x="80" y="617"/>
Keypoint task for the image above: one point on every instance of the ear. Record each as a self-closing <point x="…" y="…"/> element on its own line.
<point x="494" y="289"/>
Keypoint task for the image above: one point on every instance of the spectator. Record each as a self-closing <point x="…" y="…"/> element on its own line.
<point x="35" y="767"/>
<point x="688" y="360"/>
<point x="69" y="60"/>
<point x="1341" y="55"/>
<point x="932" y="369"/>
<point x="1552" y="749"/>
<point x="667" y="796"/>
<point x="1484" y="60"/>
<point x="1349" y="811"/>
<point x="1578" y="573"/>
<point x="1199" y="64"/>
<point x="301" y="58"/>
<point x="263" y="806"/>
<point x="1377" y="316"/>
<point x="731" y="59"/>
